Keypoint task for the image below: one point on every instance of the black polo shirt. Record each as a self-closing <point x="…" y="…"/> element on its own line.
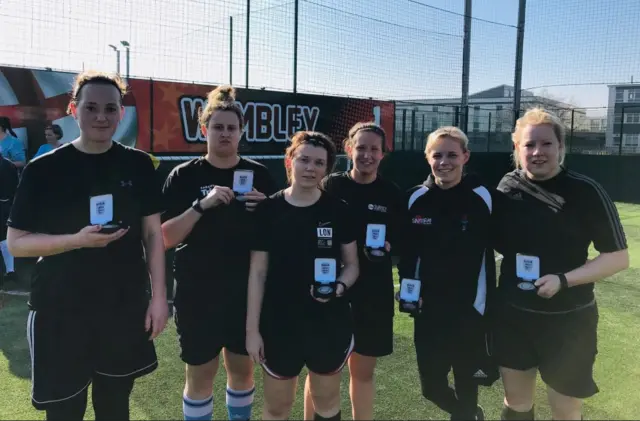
<point x="554" y="221"/>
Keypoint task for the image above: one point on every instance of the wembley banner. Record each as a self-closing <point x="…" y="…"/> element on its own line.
<point x="161" y="117"/>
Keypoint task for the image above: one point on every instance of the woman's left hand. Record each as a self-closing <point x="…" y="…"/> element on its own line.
<point x="156" y="318"/>
<point x="548" y="286"/>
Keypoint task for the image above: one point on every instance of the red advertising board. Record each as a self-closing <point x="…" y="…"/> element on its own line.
<point x="162" y="117"/>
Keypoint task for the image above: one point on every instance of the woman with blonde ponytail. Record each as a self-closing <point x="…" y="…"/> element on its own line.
<point x="210" y="201"/>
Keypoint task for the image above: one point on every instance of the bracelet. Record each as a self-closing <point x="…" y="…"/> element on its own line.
<point x="564" y="284"/>
<point x="344" y="287"/>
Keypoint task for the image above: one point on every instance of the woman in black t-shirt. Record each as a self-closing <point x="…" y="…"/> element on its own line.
<point x="377" y="205"/>
<point x="90" y="210"/>
<point x="549" y="318"/>
<point x="305" y="247"/>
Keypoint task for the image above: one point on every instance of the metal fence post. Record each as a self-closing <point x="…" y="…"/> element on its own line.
<point x="404" y="129"/>
<point x="571" y="131"/>
<point x="489" y="134"/>
<point x="621" y="129"/>
<point x="295" y="46"/>
<point x="230" y="50"/>
<point x="246" y="58"/>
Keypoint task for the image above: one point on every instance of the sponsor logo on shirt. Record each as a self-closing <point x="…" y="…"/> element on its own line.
<point x="206" y="189"/>
<point x="420" y="220"/>
<point x="377" y="208"/>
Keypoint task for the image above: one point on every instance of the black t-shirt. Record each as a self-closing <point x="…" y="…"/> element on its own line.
<point x="294" y="237"/>
<point x="554" y="220"/>
<point x="8" y="185"/>
<point x="54" y="197"/>
<point x="216" y="253"/>
<point x="379" y="202"/>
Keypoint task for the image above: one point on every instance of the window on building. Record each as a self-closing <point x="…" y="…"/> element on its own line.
<point x="476" y="126"/>
<point x="632" y="118"/>
<point x="619" y="95"/>
<point x="631" y="139"/>
<point x="634" y="95"/>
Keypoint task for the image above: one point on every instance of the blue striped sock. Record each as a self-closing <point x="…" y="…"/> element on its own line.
<point x="197" y="409"/>
<point x="239" y="403"/>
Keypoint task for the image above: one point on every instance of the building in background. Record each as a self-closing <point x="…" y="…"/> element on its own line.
<point x="490" y="121"/>
<point x="623" y="118"/>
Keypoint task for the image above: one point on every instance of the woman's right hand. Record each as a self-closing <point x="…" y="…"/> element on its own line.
<point x="255" y="347"/>
<point x="91" y="237"/>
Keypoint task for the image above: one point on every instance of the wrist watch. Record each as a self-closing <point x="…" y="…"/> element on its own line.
<point x="197" y="207"/>
<point x="564" y="284"/>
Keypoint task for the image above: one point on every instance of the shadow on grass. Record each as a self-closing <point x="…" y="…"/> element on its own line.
<point x="14" y="345"/>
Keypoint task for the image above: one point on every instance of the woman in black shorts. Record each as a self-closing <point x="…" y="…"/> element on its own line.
<point x="305" y="241"/>
<point x="377" y="205"/>
<point x="90" y="210"/>
<point x="549" y="318"/>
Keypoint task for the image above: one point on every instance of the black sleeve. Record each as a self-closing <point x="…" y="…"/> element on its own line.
<point x="498" y="227"/>
<point x="150" y="188"/>
<point x="175" y="197"/>
<point x="260" y="241"/>
<point x="409" y="247"/>
<point x="264" y="182"/>
<point x="604" y="223"/>
<point x="398" y="221"/>
<point x="346" y="224"/>
<point x="25" y="211"/>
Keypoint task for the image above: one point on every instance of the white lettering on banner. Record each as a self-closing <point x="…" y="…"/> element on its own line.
<point x="263" y="122"/>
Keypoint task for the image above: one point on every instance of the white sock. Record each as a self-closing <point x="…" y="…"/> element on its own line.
<point x="6" y="256"/>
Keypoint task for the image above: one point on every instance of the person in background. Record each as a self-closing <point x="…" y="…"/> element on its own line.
<point x="90" y="212"/>
<point x="211" y="228"/>
<point x="11" y="147"/>
<point x="448" y="248"/>
<point x="52" y="134"/>
<point x="548" y="319"/>
<point x="8" y="186"/>
<point x="373" y="200"/>
<point x="304" y="236"/>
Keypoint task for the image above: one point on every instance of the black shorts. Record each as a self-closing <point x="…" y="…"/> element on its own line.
<point x="562" y="346"/>
<point x="203" y="330"/>
<point x="373" y="334"/>
<point x="464" y="346"/>
<point x="372" y="307"/>
<point x="68" y="350"/>
<point x="323" y="348"/>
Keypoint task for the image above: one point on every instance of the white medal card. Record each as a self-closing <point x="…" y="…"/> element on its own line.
<point x="101" y="209"/>
<point x="376" y="235"/>
<point x="325" y="270"/>
<point x="410" y="290"/>
<point x="242" y="181"/>
<point x="527" y="267"/>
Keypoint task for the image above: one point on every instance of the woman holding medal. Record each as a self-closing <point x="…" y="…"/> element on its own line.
<point x="90" y="210"/>
<point x="304" y="260"/>
<point x="377" y="205"/>
<point x="209" y="202"/>
<point x="447" y="264"/>
<point x="549" y="318"/>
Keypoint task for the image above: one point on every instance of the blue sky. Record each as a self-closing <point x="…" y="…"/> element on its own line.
<point x="379" y="48"/>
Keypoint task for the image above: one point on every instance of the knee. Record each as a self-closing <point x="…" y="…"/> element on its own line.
<point x="278" y="407"/>
<point x="565" y="407"/>
<point x="199" y="384"/>
<point x="240" y="370"/>
<point x="326" y="401"/>
<point x="362" y="374"/>
<point x="518" y="399"/>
